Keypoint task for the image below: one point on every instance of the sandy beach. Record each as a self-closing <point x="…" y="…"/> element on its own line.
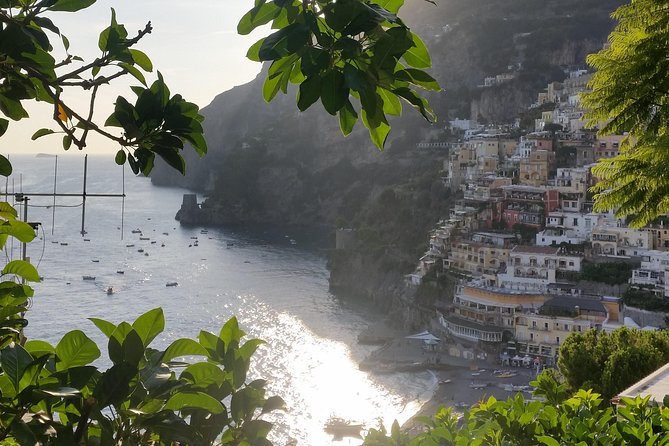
<point x="462" y="382"/>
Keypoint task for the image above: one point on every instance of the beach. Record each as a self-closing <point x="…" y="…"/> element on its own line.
<point x="460" y="382"/>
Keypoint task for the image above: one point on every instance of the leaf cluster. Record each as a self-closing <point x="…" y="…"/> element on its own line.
<point x="155" y="125"/>
<point x="629" y="95"/>
<point x="55" y="395"/>
<point x="582" y="419"/>
<point x="356" y="56"/>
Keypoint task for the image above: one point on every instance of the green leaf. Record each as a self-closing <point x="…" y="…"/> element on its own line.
<point x="196" y="400"/>
<point x="75" y="350"/>
<point x="18" y="229"/>
<point x="286" y="41"/>
<point x="390" y="5"/>
<point x="378" y="131"/>
<point x="548" y="441"/>
<point x="41" y="132"/>
<point x="4" y="124"/>
<point x="309" y="92"/>
<point x="347" y="118"/>
<point x="271" y="88"/>
<point x="39" y="348"/>
<point x="391" y="103"/>
<point x="23" y="269"/>
<point x="71" y="5"/>
<point x="203" y="374"/>
<point x="134" y="72"/>
<point x="258" y="16"/>
<point x="419" y="78"/>
<point x="417" y="56"/>
<point x="273" y="403"/>
<point x="14" y="361"/>
<point x="141" y="59"/>
<point x="149" y="325"/>
<point x="105" y="327"/>
<point x="253" y="52"/>
<point x="5" y="165"/>
<point x="183" y="347"/>
<point x="333" y="91"/>
<point x="120" y="157"/>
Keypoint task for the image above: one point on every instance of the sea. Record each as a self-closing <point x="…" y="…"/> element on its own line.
<point x="273" y="279"/>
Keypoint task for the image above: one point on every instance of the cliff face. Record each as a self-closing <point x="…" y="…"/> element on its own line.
<point x="271" y="163"/>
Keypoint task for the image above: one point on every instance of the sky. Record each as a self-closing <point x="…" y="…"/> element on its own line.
<point x="194" y="44"/>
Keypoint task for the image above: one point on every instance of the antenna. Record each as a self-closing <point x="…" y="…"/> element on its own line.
<point x="24" y="197"/>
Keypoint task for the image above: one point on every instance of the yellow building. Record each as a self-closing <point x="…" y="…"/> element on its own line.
<point x="535" y="169"/>
<point x="477" y="259"/>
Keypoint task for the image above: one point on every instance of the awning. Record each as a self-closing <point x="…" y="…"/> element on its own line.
<point x="424" y="336"/>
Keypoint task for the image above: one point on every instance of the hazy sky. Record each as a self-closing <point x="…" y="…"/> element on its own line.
<point x="194" y="44"/>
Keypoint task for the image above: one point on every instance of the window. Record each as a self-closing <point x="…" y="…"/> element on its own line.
<point x="546" y="325"/>
<point x="575" y="223"/>
<point x="557" y="340"/>
<point x="571" y="263"/>
<point x="534" y="324"/>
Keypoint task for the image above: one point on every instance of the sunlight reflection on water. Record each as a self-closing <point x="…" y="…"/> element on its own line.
<point x="278" y="291"/>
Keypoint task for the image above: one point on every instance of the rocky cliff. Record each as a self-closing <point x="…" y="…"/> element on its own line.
<point x="271" y="163"/>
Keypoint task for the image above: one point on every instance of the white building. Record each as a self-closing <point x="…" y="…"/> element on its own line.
<point x="567" y="227"/>
<point x="652" y="273"/>
<point x="533" y="268"/>
<point x="614" y="240"/>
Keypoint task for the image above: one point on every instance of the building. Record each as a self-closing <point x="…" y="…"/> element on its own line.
<point x="527" y="205"/>
<point x="612" y="240"/>
<point x="567" y="227"/>
<point x="608" y="146"/>
<point x="477" y="260"/>
<point x="534" y="268"/>
<point x="653" y="272"/>
<point x="535" y="169"/>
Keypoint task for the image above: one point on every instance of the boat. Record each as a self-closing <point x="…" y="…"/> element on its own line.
<point x="120" y="272"/>
<point x="110" y="291"/>
<point x="172" y="284"/>
<point x="140" y="250"/>
<point x="145" y="238"/>
<point x="153" y="242"/>
<point x="444" y="381"/>
<point x="89" y="277"/>
<point x="478" y="385"/>
<point x="505" y="375"/>
<point x="95" y="261"/>
<point x="340" y="428"/>
<point x="129" y="246"/>
<point x="87" y="240"/>
<point x="166" y="233"/>
<point x="63" y="244"/>
<point x="136" y="231"/>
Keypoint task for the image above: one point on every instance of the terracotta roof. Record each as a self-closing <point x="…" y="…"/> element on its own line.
<point x="536" y="249"/>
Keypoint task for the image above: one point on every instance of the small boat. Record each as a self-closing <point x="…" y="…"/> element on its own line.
<point x="136" y="231"/>
<point x="166" y="233"/>
<point x="505" y="375"/>
<point x="63" y="244"/>
<point x="204" y="231"/>
<point x="193" y="238"/>
<point x="95" y="261"/>
<point x="229" y="244"/>
<point x="89" y="277"/>
<point x="444" y="381"/>
<point x="120" y="272"/>
<point x="54" y="241"/>
<point x="478" y="385"/>
<point x="162" y="245"/>
<point x="293" y="242"/>
<point x="340" y="428"/>
<point x="140" y="250"/>
<point x="87" y="240"/>
<point x="110" y="291"/>
<point x="129" y="246"/>
<point x="145" y="238"/>
<point x="171" y="284"/>
<point x="153" y="242"/>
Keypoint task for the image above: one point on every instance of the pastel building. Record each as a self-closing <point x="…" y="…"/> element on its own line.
<point x="534" y="268"/>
